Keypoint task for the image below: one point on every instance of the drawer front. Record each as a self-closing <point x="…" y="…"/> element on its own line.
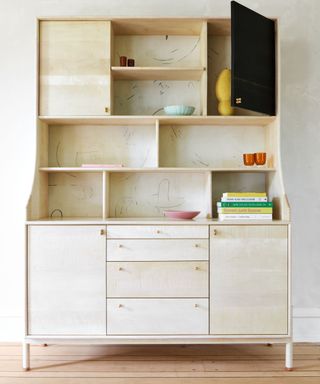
<point x="157" y="231"/>
<point x="157" y="279"/>
<point x="157" y="316"/>
<point x="157" y="250"/>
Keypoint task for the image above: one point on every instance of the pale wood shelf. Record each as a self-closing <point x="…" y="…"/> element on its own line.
<point x="164" y="120"/>
<point x="149" y="221"/>
<point x="156" y="73"/>
<point x="155" y="169"/>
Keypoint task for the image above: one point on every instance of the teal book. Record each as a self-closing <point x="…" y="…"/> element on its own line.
<point x="245" y="204"/>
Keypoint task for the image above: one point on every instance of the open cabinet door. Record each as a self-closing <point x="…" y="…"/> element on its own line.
<point x="252" y="60"/>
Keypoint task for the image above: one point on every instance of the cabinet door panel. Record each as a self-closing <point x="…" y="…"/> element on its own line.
<point x="74" y="67"/>
<point x="248" y="287"/>
<point x="157" y="279"/>
<point x="252" y="60"/>
<point x="66" y="280"/>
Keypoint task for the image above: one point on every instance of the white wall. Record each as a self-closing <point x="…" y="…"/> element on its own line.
<point x="300" y="82"/>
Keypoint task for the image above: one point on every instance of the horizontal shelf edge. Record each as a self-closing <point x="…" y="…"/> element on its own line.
<point x="150" y="221"/>
<point x="157" y="73"/>
<point x="164" y="120"/>
<point x="150" y="170"/>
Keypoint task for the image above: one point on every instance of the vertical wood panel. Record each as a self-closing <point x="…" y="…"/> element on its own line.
<point x="74" y="67"/>
<point x="249" y="288"/>
<point x="66" y="294"/>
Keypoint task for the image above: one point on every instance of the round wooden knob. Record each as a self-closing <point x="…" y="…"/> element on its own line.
<point x="215" y="232"/>
<point x="120" y="246"/>
<point x="158" y="231"/>
<point x="197" y="245"/>
<point x="120" y="269"/>
<point x="196" y="305"/>
<point x="120" y="306"/>
<point x="197" y="268"/>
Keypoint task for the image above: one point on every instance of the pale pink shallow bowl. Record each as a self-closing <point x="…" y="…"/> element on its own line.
<point x="186" y="215"/>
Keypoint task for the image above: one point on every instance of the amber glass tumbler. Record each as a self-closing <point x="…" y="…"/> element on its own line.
<point x="248" y="158"/>
<point x="260" y="158"/>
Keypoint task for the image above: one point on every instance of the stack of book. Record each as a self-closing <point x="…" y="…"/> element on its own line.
<point x="244" y="205"/>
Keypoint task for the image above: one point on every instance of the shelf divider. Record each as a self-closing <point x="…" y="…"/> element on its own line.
<point x="204" y="63"/>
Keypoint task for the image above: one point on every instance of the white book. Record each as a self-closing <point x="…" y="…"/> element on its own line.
<point x="244" y="199"/>
<point x="245" y="216"/>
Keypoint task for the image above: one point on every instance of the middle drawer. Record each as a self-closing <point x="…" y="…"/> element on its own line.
<point x="157" y="279"/>
<point x="157" y="250"/>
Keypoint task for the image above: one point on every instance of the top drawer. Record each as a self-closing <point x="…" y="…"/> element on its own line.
<point x="157" y="231"/>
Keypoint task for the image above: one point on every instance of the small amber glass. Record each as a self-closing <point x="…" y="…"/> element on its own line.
<point x="248" y="158"/>
<point x="123" y="61"/>
<point x="260" y="158"/>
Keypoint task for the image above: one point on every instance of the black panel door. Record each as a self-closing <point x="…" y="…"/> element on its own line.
<point x="252" y="60"/>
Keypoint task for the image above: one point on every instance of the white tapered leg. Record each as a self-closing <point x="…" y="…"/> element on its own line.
<point x="26" y="356"/>
<point x="289" y="356"/>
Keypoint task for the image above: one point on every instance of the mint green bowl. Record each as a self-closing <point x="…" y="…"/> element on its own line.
<point x="176" y="110"/>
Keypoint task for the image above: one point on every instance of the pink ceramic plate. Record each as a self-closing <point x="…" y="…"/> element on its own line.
<point x="186" y="215"/>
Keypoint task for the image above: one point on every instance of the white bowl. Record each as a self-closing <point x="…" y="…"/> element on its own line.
<point x="182" y="110"/>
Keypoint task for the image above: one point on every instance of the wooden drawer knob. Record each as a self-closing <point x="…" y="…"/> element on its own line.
<point x="120" y="306"/>
<point x="120" y="269"/>
<point x="120" y="246"/>
<point x="197" y="245"/>
<point x="158" y="231"/>
<point x="197" y="268"/>
<point x="215" y="232"/>
<point x="102" y="232"/>
<point x="196" y="305"/>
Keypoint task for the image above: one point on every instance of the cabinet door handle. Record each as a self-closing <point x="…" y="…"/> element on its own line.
<point x="215" y="232"/>
<point x="197" y="245"/>
<point x="158" y="231"/>
<point x="120" y="246"/>
<point x="196" y="305"/>
<point x="103" y="232"/>
<point x="120" y="269"/>
<point x="120" y="306"/>
<point x="197" y="268"/>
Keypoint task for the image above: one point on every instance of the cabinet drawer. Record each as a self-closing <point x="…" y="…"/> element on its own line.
<point x="157" y="231"/>
<point x="157" y="279"/>
<point x="157" y="316"/>
<point x="157" y="250"/>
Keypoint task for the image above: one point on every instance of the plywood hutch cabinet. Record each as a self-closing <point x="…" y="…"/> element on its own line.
<point x="103" y="265"/>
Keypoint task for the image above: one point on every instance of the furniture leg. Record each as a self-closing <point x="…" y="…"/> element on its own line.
<point x="289" y="357"/>
<point x="25" y="356"/>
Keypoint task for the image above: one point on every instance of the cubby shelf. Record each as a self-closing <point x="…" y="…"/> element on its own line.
<point x="155" y="169"/>
<point x="147" y="220"/>
<point x="164" y="120"/>
<point x="156" y="73"/>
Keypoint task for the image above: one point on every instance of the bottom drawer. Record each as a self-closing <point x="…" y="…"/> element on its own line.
<point x="157" y="316"/>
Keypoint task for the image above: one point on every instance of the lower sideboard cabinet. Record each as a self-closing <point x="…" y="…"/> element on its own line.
<point x="249" y="280"/>
<point x="66" y="280"/>
<point x="218" y="280"/>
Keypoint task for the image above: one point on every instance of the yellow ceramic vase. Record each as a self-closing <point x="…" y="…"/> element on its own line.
<point x="223" y="93"/>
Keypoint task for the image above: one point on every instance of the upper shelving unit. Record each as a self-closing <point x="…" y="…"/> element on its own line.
<point x="94" y="111"/>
